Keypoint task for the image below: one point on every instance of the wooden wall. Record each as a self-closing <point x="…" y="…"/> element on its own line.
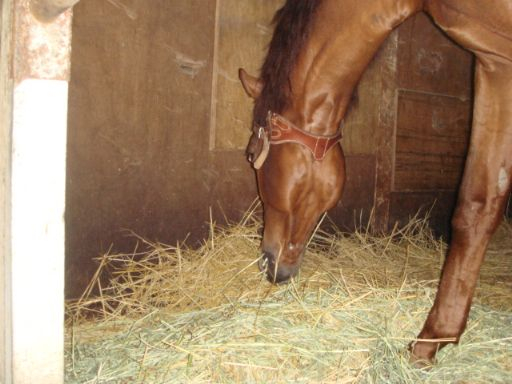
<point x="413" y="117"/>
<point x="143" y="96"/>
<point x="243" y="31"/>
<point x="158" y="124"/>
<point x="433" y="121"/>
<point x="138" y="126"/>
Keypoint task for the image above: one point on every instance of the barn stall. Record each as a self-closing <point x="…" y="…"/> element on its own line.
<point x="157" y="125"/>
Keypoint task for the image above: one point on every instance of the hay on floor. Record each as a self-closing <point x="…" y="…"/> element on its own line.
<point x="176" y="314"/>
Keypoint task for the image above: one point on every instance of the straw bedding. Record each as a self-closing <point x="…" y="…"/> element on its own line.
<point x="172" y="314"/>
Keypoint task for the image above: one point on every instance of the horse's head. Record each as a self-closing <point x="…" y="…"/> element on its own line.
<point x="295" y="187"/>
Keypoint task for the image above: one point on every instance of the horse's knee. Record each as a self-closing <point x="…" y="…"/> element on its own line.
<point x="482" y="214"/>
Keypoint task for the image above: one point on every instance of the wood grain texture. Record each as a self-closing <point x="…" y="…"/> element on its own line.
<point x="437" y="205"/>
<point x="428" y="61"/>
<point x="431" y="141"/>
<point x="243" y="31"/>
<point x="139" y="105"/>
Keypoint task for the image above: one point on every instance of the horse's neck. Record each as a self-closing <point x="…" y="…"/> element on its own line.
<point x="343" y="39"/>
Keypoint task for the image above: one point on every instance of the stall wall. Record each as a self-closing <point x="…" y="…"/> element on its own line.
<point x="138" y="125"/>
<point x="141" y="155"/>
<point x="433" y="122"/>
<point x="158" y="124"/>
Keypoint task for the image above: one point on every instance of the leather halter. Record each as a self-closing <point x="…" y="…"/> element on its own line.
<point x="278" y="130"/>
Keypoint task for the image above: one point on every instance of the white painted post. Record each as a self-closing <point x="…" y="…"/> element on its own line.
<point x="34" y="191"/>
<point x="38" y="185"/>
<point x="6" y="89"/>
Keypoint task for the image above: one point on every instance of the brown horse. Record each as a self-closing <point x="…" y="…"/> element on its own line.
<point x="317" y="54"/>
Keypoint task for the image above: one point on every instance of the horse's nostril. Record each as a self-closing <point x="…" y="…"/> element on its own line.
<point x="275" y="273"/>
<point x="266" y="262"/>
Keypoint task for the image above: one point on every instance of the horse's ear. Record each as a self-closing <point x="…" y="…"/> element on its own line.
<point x="251" y="84"/>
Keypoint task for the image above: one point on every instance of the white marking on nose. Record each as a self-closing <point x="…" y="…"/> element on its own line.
<point x="502" y="180"/>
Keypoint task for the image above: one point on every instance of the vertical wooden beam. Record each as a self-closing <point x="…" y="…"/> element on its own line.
<point x="33" y="195"/>
<point x="243" y="29"/>
<point x="37" y="227"/>
<point x="6" y="88"/>
<point x="387" y="125"/>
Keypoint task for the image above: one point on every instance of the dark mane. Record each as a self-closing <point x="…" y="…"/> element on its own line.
<point x="291" y="30"/>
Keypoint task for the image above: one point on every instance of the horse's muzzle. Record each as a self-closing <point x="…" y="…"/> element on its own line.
<point x="276" y="273"/>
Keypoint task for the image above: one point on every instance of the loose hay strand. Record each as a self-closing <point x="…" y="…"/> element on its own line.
<point x="176" y="314"/>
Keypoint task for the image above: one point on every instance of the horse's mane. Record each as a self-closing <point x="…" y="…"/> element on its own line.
<point x="291" y="30"/>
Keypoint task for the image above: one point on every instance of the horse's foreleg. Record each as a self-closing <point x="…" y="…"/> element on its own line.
<point x="482" y="197"/>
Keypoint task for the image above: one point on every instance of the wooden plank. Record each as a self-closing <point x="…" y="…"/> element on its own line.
<point x="429" y="62"/>
<point x="232" y="184"/>
<point x="431" y="141"/>
<point x="438" y="205"/>
<point x="243" y="30"/>
<point x="139" y="104"/>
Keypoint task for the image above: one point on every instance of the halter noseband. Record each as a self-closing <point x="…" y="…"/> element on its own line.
<point x="278" y="130"/>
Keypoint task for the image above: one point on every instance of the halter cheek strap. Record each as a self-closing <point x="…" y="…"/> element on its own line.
<point x="279" y="131"/>
<point x="265" y="148"/>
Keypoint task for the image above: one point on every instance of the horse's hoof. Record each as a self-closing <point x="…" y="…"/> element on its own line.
<point x="420" y="360"/>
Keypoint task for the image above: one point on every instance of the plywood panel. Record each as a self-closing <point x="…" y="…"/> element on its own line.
<point x="361" y="123"/>
<point x="243" y="31"/>
<point x="431" y="141"/>
<point x="139" y="107"/>
<point x="437" y="205"/>
<point x="433" y="113"/>
<point x="232" y="185"/>
<point x="429" y="62"/>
